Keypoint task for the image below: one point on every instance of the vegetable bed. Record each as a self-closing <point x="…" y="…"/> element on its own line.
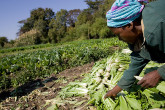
<point x="103" y="77"/>
<point x="20" y="68"/>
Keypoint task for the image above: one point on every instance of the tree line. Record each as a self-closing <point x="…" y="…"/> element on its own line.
<point x="46" y="26"/>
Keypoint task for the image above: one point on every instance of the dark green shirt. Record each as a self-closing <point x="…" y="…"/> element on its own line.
<point x="153" y="16"/>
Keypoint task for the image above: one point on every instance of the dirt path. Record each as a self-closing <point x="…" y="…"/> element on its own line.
<point x="33" y="95"/>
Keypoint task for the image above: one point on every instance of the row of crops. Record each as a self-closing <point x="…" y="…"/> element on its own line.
<point x="14" y="49"/>
<point x="20" y="68"/>
<point x="103" y="77"/>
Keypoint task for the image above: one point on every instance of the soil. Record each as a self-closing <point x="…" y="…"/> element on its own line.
<point x="35" y="94"/>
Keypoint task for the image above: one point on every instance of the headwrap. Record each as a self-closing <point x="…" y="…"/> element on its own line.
<point x="124" y="12"/>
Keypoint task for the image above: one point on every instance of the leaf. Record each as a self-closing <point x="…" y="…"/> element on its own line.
<point x="116" y="106"/>
<point x="133" y="103"/>
<point x="109" y="103"/>
<point x="154" y="99"/>
<point x="123" y="103"/>
<point x="161" y="86"/>
<point x="92" y="101"/>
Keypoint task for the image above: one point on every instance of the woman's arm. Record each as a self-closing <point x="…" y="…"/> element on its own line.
<point x="136" y="66"/>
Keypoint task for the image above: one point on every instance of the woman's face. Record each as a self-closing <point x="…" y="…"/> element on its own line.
<point x="125" y="34"/>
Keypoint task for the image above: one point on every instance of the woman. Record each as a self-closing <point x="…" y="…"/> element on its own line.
<point x="143" y="28"/>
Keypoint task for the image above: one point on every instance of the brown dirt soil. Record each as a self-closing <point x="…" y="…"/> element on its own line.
<point x="33" y="95"/>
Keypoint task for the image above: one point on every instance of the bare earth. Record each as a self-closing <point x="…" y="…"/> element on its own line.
<point x="33" y="95"/>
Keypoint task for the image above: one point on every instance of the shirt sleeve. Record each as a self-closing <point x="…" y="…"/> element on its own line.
<point x="136" y="66"/>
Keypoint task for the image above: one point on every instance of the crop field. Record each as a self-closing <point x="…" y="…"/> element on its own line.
<point x="20" y="65"/>
<point x="101" y="63"/>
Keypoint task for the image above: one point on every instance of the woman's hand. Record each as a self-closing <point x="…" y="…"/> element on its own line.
<point x="113" y="92"/>
<point x="150" y="79"/>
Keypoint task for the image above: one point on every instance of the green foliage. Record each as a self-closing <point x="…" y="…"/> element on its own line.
<point x="3" y="40"/>
<point x="133" y="103"/>
<point x="67" y="25"/>
<point x="70" y="35"/>
<point x="23" y="67"/>
<point x="40" y="26"/>
<point x="93" y="4"/>
<point x="58" y="26"/>
<point x="105" y="33"/>
<point x="84" y="17"/>
<point x="23" y="48"/>
<point x="29" y="38"/>
<point x="82" y="31"/>
<point x="35" y="15"/>
<point x="39" y="20"/>
<point x="99" y="82"/>
<point x="72" y="17"/>
<point x="99" y="29"/>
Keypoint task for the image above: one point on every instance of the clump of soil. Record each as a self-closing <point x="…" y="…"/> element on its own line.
<point x="33" y="95"/>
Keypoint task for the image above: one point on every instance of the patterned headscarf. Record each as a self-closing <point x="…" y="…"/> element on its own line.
<point x="124" y="12"/>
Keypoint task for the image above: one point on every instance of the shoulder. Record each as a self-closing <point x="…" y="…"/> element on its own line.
<point x="153" y="15"/>
<point x="156" y="7"/>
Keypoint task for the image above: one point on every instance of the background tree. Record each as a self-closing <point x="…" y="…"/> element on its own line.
<point x="84" y="17"/>
<point x="27" y="26"/>
<point x="3" y="40"/>
<point x="52" y="32"/>
<point x="45" y="26"/>
<point x="39" y="20"/>
<point x="12" y="42"/>
<point x="31" y="37"/>
<point x="22" y="29"/>
<point x="82" y="31"/>
<point x="104" y="6"/>
<point x="94" y="4"/>
<point x="97" y="26"/>
<point x="72" y="17"/>
<point x="41" y="25"/>
<point x="58" y="27"/>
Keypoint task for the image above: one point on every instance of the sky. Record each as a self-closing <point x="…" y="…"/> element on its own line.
<point x="12" y="11"/>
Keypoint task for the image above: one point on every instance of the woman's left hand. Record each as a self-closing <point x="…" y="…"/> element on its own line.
<point x="150" y="79"/>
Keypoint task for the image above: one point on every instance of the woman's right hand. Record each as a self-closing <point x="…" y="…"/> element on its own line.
<point x="113" y="92"/>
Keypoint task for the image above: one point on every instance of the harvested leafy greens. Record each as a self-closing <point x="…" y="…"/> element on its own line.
<point x="104" y="76"/>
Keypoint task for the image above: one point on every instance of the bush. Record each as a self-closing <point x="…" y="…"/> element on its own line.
<point x="29" y="38"/>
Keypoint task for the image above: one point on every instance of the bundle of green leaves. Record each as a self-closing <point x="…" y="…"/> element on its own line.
<point x="104" y="76"/>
